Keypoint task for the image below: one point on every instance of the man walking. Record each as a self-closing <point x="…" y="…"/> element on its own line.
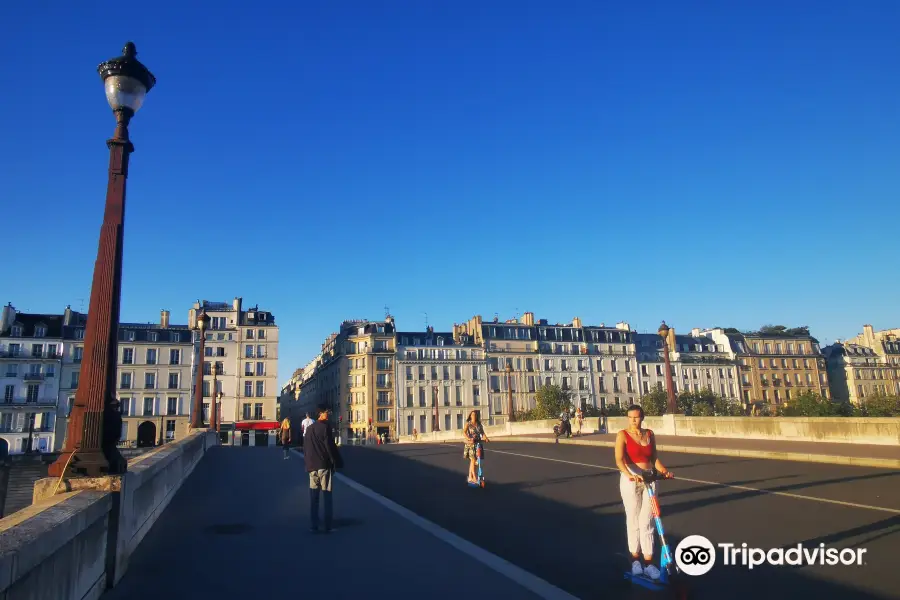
<point x="322" y="457"/>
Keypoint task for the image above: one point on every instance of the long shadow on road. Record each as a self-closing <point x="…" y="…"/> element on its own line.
<point x="523" y="516"/>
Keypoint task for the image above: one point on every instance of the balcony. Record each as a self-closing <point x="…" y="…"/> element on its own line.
<point x="33" y="377"/>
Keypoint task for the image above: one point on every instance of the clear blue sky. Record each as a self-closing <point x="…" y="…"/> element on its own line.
<point x="706" y="163"/>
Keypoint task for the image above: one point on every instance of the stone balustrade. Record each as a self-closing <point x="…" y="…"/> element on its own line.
<point x="76" y="539"/>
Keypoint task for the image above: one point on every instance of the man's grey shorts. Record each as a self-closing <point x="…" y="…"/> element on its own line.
<point x="320" y="480"/>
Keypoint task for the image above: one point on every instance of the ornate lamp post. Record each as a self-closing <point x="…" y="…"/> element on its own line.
<point x="218" y="419"/>
<point x="197" y="412"/>
<point x="437" y="424"/>
<point x="126" y="82"/>
<point x="512" y="405"/>
<point x="214" y="400"/>
<point x="670" y="384"/>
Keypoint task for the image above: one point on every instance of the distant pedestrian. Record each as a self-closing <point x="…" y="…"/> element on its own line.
<point x="286" y="437"/>
<point x="303" y="426"/>
<point x="322" y="457"/>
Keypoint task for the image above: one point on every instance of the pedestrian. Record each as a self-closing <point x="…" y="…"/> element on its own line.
<point x="304" y="424"/>
<point x="322" y="457"/>
<point x="286" y="437"/>
<point x="579" y="418"/>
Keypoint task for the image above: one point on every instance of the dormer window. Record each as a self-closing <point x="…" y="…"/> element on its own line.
<point x="129" y="335"/>
<point x="79" y="334"/>
<point x="40" y="331"/>
<point x="16" y="331"/>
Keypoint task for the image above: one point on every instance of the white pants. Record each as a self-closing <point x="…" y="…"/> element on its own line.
<point x="638" y="516"/>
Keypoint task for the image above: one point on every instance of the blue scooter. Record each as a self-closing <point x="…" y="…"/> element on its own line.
<point x="667" y="566"/>
<point x="479" y="473"/>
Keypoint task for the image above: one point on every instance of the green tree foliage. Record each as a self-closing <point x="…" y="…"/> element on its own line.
<point x="706" y="403"/>
<point x="550" y="401"/>
<point x="879" y="406"/>
<point x="811" y="404"/>
<point x="654" y="403"/>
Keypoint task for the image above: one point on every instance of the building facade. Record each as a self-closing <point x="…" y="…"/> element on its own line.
<point x="241" y="347"/>
<point x="777" y="364"/>
<point x="700" y="361"/>
<point x="31" y="351"/>
<point x="436" y="376"/>
<point x="154" y="381"/>
<point x="864" y="366"/>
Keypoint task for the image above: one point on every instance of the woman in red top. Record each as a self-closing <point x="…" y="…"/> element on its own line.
<point x="635" y="453"/>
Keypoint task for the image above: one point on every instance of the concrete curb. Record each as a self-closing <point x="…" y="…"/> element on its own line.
<point x="882" y="463"/>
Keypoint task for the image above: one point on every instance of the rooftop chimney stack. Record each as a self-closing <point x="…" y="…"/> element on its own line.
<point x="164" y="319"/>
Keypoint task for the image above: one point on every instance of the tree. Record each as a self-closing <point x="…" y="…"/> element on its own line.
<point x="880" y="406"/>
<point x="811" y="404"/>
<point x="550" y="401"/>
<point x="654" y="403"/>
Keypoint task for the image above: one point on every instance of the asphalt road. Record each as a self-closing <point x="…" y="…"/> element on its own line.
<point x="555" y="510"/>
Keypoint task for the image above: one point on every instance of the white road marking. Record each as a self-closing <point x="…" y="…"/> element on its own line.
<point x="532" y="583"/>
<point x="727" y="485"/>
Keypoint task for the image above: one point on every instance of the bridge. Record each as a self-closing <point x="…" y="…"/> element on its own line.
<point x="195" y="519"/>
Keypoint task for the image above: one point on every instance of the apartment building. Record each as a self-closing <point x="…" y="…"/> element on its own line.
<point x="154" y="381"/>
<point x="31" y="351"/>
<point x="370" y="349"/>
<point x="866" y="365"/>
<point x="703" y="360"/>
<point x="595" y="364"/>
<point x="777" y="363"/>
<point x="242" y="345"/>
<point x="436" y="376"/>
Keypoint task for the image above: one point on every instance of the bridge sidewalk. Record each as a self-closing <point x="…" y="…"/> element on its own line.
<point x="238" y="528"/>
<point x="873" y="455"/>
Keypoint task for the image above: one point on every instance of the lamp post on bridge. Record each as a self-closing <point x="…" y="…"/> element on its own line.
<point x="670" y="384"/>
<point x="89" y="449"/>
<point x="512" y="405"/>
<point x="437" y="425"/>
<point x="214" y="400"/>
<point x="197" y="412"/>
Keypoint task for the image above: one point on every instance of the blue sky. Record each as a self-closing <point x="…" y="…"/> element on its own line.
<point x="706" y="163"/>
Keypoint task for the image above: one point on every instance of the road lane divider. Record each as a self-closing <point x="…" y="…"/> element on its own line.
<point x="893" y="511"/>
<point x="832" y="459"/>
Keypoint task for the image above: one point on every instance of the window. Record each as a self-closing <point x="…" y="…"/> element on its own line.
<point x="260" y="369"/>
<point x="248" y="369"/>
<point x="174" y="357"/>
<point x="446" y="422"/>
<point x="421" y="396"/>
<point x="258" y="411"/>
<point x="8" y="394"/>
<point x="261" y="334"/>
<point x="128" y="356"/>
<point x="260" y="389"/>
<point x="458" y="395"/>
<point x="172" y="406"/>
<point x="170" y="429"/>
<point x="125" y="382"/>
<point x="149" y="381"/>
<point x="148" y="407"/>
<point x="248" y="389"/>
<point x="151" y="356"/>
<point x="78" y="354"/>
<point x="173" y="381"/>
<point x="261" y="351"/>
<point x="249" y="334"/>
<point x="248" y="351"/>
<point x="409" y="397"/>
<point x="246" y="411"/>
<point x="205" y="389"/>
<point x="459" y="421"/>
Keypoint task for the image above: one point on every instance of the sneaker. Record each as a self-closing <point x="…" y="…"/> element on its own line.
<point x="651" y="571"/>
<point x="636" y="569"/>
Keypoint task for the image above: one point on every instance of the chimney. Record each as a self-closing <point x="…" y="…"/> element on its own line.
<point x="528" y="319"/>
<point x="576" y="322"/>
<point x="67" y="316"/>
<point x="164" y="319"/>
<point x="695" y="332"/>
<point x="237" y="303"/>
<point x="622" y="326"/>
<point x="7" y="318"/>
<point x="869" y="335"/>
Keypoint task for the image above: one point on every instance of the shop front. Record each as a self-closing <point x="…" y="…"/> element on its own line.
<point x="254" y="433"/>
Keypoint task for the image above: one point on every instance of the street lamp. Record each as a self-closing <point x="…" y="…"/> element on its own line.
<point x="218" y="421"/>
<point x="670" y="384"/>
<point x="437" y="424"/>
<point x="214" y="403"/>
<point x="126" y="82"/>
<point x="512" y="408"/>
<point x="197" y="412"/>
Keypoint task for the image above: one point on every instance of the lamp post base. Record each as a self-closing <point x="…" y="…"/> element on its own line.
<point x="91" y="463"/>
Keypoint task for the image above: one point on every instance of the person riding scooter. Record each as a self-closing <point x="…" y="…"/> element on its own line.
<point x="564" y="427"/>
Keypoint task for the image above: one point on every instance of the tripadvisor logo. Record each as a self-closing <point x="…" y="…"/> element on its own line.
<point x="696" y="555"/>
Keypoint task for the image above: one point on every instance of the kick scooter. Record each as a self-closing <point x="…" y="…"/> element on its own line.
<point x="667" y="567"/>
<point x="479" y="474"/>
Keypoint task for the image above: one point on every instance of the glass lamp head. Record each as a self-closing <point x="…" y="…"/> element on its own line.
<point x="202" y="321"/>
<point x="126" y="80"/>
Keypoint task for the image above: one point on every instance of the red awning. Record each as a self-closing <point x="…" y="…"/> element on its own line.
<point x="264" y="425"/>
